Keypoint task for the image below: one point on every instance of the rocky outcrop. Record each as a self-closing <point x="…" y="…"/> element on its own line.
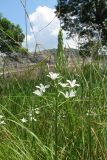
<point x="17" y="60"/>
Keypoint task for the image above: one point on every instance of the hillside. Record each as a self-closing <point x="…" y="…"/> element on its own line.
<point x="18" y="60"/>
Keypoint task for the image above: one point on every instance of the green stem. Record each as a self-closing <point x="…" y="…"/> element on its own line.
<point x="89" y="118"/>
<point x="56" y="127"/>
<point x="90" y="142"/>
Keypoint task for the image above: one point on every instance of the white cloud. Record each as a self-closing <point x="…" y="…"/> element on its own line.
<point x="48" y="36"/>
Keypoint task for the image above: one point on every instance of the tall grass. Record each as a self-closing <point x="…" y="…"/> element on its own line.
<point x="61" y="129"/>
<point x="81" y="122"/>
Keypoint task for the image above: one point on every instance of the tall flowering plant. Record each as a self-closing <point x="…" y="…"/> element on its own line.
<point x="68" y="93"/>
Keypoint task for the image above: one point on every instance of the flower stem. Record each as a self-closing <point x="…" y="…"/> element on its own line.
<point x="56" y="128"/>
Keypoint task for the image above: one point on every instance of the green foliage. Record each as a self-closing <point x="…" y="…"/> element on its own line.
<point x="23" y="51"/>
<point x="60" y="57"/>
<point x="11" y="36"/>
<point x="89" y="49"/>
<point x="86" y="18"/>
<point x="82" y="122"/>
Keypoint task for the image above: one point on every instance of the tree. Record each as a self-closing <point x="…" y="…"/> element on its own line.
<point x="11" y="36"/>
<point x="86" y="18"/>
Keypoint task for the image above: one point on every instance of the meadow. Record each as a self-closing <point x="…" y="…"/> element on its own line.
<point x="54" y="124"/>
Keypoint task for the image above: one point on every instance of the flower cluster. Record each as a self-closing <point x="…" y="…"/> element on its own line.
<point x="68" y="94"/>
<point x="69" y="84"/>
<point x="54" y="76"/>
<point x="31" y="115"/>
<point x="91" y="113"/>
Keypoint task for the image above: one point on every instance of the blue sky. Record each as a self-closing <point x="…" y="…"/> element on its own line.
<point x="41" y="12"/>
<point x="13" y="10"/>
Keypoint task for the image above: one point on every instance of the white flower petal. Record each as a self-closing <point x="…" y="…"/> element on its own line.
<point x="68" y="94"/>
<point x="43" y="87"/>
<point x="63" y="84"/>
<point x="38" y="87"/>
<point x="47" y="86"/>
<point x="35" y="119"/>
<point x="30" y="114"/>
<point x="38" y="92"/>
<point x="32" y="118"/>
<point x="37" y="112"/>
<point x="2" y="122"/>
<point x="72" y="94"/>
<point x="36" y="109"/>
<point x="72" y="83"/>
<point x="1" y="116"/>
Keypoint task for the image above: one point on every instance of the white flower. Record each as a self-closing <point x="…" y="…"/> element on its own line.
<point x="72" y="83"/>
<point x="63" y="84"/>
<point x="30" y="114"/>
<point x="38" y="92"/>
<point x="43" y="87"/>
<point x="53" y="76"/>
<point x="1" y="116"/>
<point x="37" y="112"/>
<point x="2" y="122"/>
<point x="23" y="120"/>
<point x="69" y="94"/>
<point x="36" y="109"/>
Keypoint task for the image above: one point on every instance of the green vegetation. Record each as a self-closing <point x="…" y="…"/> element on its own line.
<point x="62" y="119"/>
<point x="86" y="19"/>
<point x="82" y="120"/>
<point x="11" y="37"/>
<point x="60" y="56"/>
<point x="60" y="115"/>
